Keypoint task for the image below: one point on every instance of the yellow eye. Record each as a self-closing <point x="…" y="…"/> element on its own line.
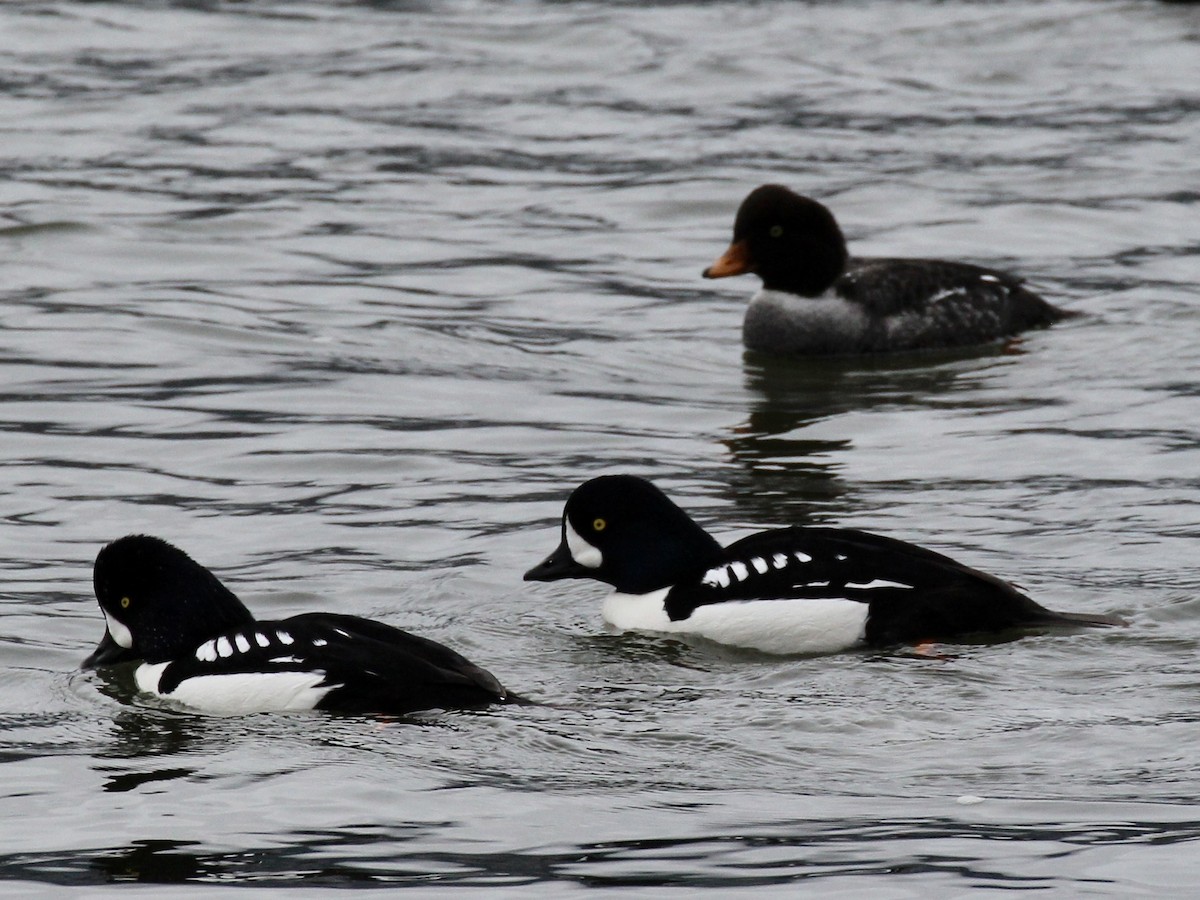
<point x="124" y="603"/>
<point x="776" y="231"/>
<point x="599" y="525"/>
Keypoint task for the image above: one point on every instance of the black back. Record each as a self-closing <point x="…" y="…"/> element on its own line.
<point x="913" y="594"/>
<point x="968" y="300"/>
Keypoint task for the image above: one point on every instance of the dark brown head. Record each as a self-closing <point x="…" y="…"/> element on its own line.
<point x="792" y="243"/>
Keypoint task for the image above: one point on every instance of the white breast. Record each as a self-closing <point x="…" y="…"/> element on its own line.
<point x="824" y="625"/>
<point x="638" y="612"/>
<point x="239" y="694"/>
<point x="828" y="313"/>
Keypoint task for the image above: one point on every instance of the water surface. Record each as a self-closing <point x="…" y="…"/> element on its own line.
<point x="344" y="298"/>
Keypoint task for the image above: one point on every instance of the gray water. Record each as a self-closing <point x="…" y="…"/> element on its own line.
<point x="344" y="298"/>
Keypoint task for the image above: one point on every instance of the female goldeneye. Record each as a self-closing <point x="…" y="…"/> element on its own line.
<point x="198" y="645"/>
<point x="787" y="590"/>
<point x="816" y="299"/>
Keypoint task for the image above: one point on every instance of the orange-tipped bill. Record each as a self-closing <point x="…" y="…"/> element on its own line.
<point x="734" y="261"/>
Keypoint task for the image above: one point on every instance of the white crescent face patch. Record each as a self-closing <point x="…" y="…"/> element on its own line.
<point x="118" y="632"/>
<point x="581" y="551"/>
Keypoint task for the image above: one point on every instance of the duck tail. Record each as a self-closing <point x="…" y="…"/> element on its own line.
<point x="1091" y="620"/>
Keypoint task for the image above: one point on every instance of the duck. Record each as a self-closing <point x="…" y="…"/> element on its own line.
<point x="791" y="590"/>
<point x="818" y="300"/>
<point x="196" y="644"/>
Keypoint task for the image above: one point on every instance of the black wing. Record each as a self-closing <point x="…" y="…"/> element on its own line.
<point x="958" y="301"/>
<point x="372" y="667"/>
<point x="913" y="593"/>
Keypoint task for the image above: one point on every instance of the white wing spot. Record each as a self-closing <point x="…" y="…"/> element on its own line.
<point x="760" y="565"/>
<point x="942" y="295"/>
<point x="840" y="557"/>
<point x="342" y="633"/>
<point x="284" y="637"/>
<point x="319" y="642"/>
<point x="718" y="577"/>
<point x="740" y="572"/>
<point x="989" y="278"/>
<point x="780" y="560"/>
<point x="803" y="557"/>
<point x="207" y="652"/>
<point x="243" y="643"/>
<point x="224" y="648"/>
<point x="261" y="639"/>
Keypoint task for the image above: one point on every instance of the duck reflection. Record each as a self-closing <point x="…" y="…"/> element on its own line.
<point x="141" y="731"/>
<point x="784" y="474"/>
<point x="152" y="862"/>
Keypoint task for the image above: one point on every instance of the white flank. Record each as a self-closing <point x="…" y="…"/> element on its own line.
<point x="581" y="551"/>
<point x="824" y="625"/>
<point x="118" y="632"/>
<point x="239" y="694"/>
<point x="878" y="583"/>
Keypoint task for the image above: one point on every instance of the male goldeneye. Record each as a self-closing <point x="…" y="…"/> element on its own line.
<point x="198" y="645"/>
<point x="787" y="590"/>
<point x="816" y="299"/>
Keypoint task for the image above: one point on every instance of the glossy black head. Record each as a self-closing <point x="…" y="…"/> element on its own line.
<point x="157" y="602"/>
<point x="622" y="530"/>
<point x="792" y="243"/>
